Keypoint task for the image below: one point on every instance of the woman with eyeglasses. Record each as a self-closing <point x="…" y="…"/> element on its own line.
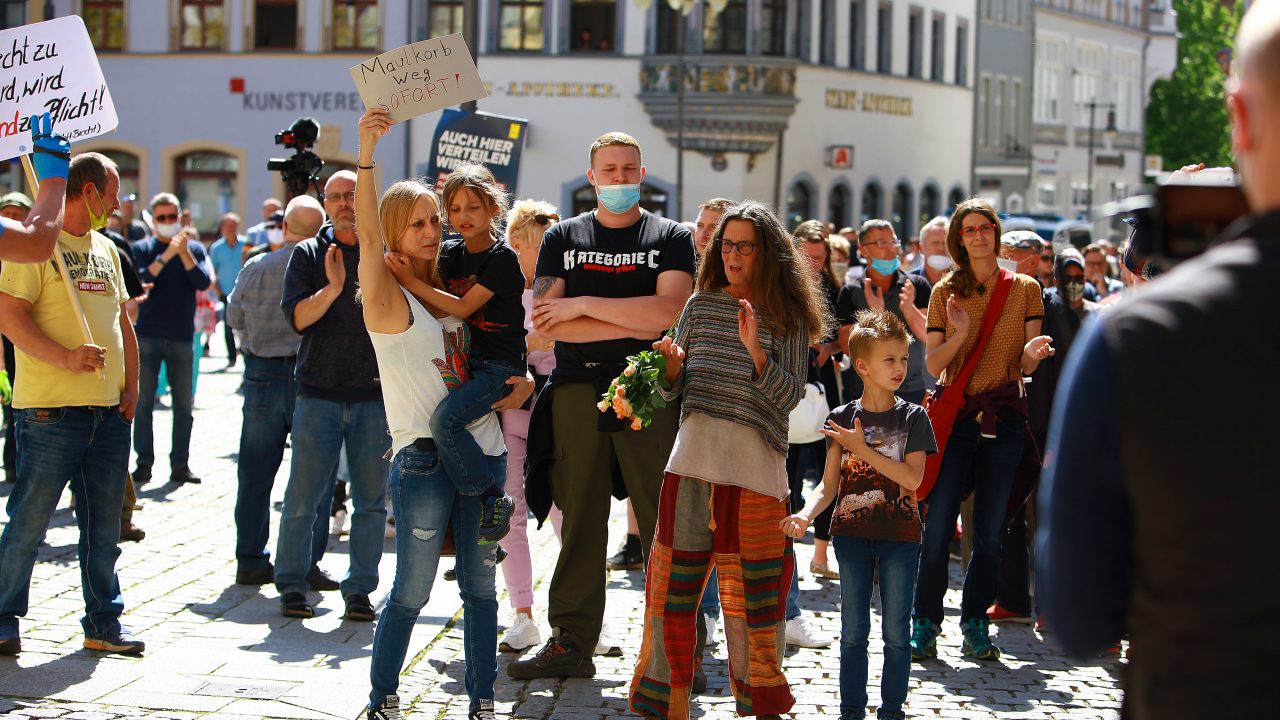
<point x="738" y="353"/>
<point x="986" y="442"/>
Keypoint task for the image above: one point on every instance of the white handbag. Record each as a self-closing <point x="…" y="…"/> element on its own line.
<point x="809" y="416"/>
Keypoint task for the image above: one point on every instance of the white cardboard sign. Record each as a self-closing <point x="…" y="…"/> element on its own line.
<point x="420" y="77"/>
<point x="51" y="67"/>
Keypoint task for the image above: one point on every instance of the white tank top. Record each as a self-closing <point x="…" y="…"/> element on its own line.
<point x="417" y="371"/>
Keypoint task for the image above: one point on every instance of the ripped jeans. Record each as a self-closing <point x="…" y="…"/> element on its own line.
<point x="425" y="502"/>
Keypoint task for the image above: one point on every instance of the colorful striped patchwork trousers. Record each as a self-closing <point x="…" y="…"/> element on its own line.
<point x="737" y="529"/>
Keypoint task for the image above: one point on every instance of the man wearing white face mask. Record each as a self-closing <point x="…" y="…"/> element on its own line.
<point x="174" y="263"/>
<point x="933" y="248"/>
<point x="273" y="234"/>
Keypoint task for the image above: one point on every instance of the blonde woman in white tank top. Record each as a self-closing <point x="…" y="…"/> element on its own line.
<point x="420" y="359"/>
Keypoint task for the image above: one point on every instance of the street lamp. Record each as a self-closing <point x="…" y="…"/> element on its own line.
<point x="1110" y="129"/>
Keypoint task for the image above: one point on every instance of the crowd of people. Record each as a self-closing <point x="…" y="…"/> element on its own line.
<point x="446" y="352"/>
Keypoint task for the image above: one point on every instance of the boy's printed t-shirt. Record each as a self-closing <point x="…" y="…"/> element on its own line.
<point x="94" y="266"/>
<point x="870" y="505"/>
<point x="498" y="325"/>
<point x="597" y="261"/>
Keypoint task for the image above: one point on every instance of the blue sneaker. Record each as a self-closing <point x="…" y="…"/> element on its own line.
<point x="977" y="640"/>
<point x="495" y="518"/>
<point x="118" y="640"/>
<point x="924" y="639"/>
<point x="10" y="640"/>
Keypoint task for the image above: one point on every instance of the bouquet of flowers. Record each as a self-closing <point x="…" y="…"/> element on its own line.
<point x="634" y="393"/>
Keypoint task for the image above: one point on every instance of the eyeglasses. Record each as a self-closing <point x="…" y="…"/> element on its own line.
<point x="985" y="229"/>
<point x="745" y="247"/>
<point x="1072" y="277"/>
<point x="170" y="217"/>
<point x="333" y="197"/>
<point x="882" y="244"/>
<point x="1047" y="258"/>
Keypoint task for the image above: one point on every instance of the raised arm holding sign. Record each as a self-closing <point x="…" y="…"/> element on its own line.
<point x="419" y="78"/>
<point x="33" y="240"/>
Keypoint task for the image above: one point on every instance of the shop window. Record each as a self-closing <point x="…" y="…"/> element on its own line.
<point x="275" y="24"/>
<point x="929" y="204"/>
<point x="355" y="25"/>
<point x="520" y="25"/>
<point x="901" y="215"/>
<point x="726" y="31"/>
<point x="838" y="206"/>
<point x="440" y="18"/>
<point x="651" y="198"/>
<point x="128" y="165"/>
<point x="202" y="24"/>
<point x="872" y="201"/>
<point x="105" y="21"/>
<point x="13" y="13"/>
<point x="205" y="182"/>
<point x="593" y="24"/>
<point x="799" y="204"/>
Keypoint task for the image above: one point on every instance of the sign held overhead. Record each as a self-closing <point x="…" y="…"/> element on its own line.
<point x="419" y="78"/>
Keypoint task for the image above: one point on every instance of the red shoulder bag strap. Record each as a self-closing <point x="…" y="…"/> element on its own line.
<point x="989" y="318"/>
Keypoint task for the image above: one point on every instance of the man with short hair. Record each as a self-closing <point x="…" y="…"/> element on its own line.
<point x="1097" y="272"/>
<point x="257" y="235"/>
<point x="608" y="283"/>
<point x="72" y="425"/>
<point x="339" y="401"/>
<point x="270" y="346"/>
<point x="15" y="206"/>
<point x="132" y="226"/>
<point x="709" y="214"/>
<point x="174" y="263"/>
<point x="934" y="257"/>
<point x="226" y="254"/>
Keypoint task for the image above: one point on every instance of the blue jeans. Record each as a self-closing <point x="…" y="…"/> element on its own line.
<point x="710" y="604"/>
<point x="269" y="395"/>
<point x="464" y="461"/>
<point x="88" y="446"/>
<point x="178" y="356"/>
<point x="992" y="463"/>
<point x="858" y="560"/>
<point x="426" y="503"/>
<point x="320" y="427"/>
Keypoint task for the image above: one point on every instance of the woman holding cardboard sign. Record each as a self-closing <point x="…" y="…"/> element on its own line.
<point x="420" y="359"/>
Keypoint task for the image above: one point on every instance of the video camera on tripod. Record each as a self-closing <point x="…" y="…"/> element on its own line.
<point x="301" y="171"/>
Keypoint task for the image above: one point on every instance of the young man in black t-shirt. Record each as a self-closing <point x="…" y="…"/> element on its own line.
<point x="608" y="283"/>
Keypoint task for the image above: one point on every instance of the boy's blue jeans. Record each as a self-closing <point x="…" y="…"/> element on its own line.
<point x="425" y="503"/>
<point x="465" y="464"/>
<point x="859" y="560"/>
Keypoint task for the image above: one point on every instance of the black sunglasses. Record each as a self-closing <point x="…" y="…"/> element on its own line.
<point x="542" y="219"/>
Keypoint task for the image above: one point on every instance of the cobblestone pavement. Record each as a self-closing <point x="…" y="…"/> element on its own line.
<point x="218" y="651"/>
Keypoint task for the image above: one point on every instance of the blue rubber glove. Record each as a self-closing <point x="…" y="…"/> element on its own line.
<point x="6" y="390"/>
<point x="51" y="153"/>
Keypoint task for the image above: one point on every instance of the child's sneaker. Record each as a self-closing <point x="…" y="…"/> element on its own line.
<point x="388" y="710"/>
<point x="924" y="639"/>
<point x="495" y="518"/>
<point x="977" y="640"/>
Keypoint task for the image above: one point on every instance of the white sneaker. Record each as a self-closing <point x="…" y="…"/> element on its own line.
<point x="799" y="634"/>
<point x="522" y="634"/>
<point x="607" y="645"/>
<point x="338" y="523"/>
<point x="711" y="621"/>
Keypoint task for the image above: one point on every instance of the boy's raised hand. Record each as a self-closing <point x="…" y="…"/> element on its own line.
<point x="794" y="526"/>
<point x="851" y="439"/>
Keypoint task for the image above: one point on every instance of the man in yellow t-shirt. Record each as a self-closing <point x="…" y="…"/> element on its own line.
<point x="72" y="424"/>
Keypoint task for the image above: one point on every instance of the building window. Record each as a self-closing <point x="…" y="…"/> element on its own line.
<point x="440" y="18"/>
<point x="206" y="185"/>
<point x="1091" y="61"/>
<point x="1050" y="58"/>
<point x="127" y="164"/>
<point x="872" y="200"/>
<point x="929" y="204"/>
<point x="1047" y="195"/>
<point x="593" y="24"/>
<point x="520" y="25"/>
<point x="667" y="33"/>
<point x="915" y="44"/>
<point x="1079" y="194"/>
<point x="355" y="25"/>
<point x="202" y="24"/>
<point x="984" y="111"/>
<point x="1124" y="91"/>
<point x="1015" y="14"/>
<point x="1015" y="116"/>
<point x="651" y="198"/>
<point x="827" y="28"/>
<point x="857" y="35"/>
<point x="884" y="38"/>
<point x="105" y="21"/>
<point x="962" y="54"/>
<point x="799" y="204"/>
<point x="901" y="217"/>
<point x="773" y="25"/>
<point x="275" y="25"/>
<point x="838" y="206"/>
<point x="13" y="13"/>
<point x="997" y="115"/>
<point x="938" y="53"/>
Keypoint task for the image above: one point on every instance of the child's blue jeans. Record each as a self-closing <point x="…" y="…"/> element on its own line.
<point x="859" y="560"/>
<point x="464" y="462"/>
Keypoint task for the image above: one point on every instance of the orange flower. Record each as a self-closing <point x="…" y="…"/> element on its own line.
<point x="636" y="424"/>
<point x="621" y="391"/>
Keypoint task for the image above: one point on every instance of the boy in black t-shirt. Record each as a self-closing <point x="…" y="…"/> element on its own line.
<point x="874" y="465"/>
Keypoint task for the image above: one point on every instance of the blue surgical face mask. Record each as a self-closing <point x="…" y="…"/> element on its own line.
<point x="885" y="267"/>
<point x="618" y="199"/>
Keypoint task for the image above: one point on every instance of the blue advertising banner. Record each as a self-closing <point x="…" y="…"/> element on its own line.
<point x="491" y="140"/>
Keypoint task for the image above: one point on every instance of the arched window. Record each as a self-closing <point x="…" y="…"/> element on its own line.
<point x="955" y="197"/>
<point x="838" y="206"/>
<point x="901" y="216"/>
<point x="652" y="198"/>
<point x="799" y="204"/>
<point x="930" y="203"/>
<point x="127" y="163"/>
<point x="205" y="183"/>
<point x="872" y="201"/>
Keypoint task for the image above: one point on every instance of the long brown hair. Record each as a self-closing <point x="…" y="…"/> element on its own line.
<point x="962" y="279"/>
<point x="785" y="294"/>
